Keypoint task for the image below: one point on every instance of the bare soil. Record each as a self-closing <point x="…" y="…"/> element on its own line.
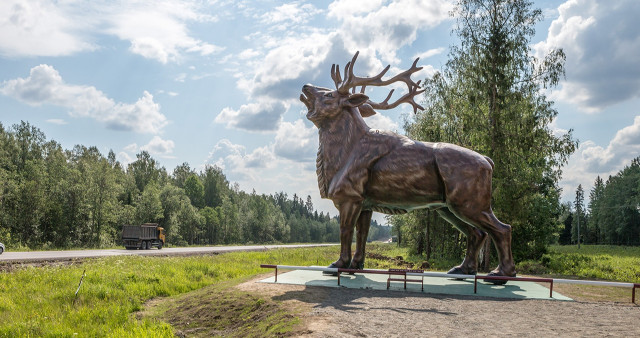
<point x="13" y="266"/>
<point x="340" y="312"/>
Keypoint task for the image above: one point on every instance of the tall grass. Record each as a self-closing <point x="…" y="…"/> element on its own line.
<point x="40" y="301"/>
<point x="437" y="261"/>
<point x="606" y="262"/>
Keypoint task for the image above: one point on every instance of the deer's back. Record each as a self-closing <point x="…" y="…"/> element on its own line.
<point x="406" y="177"/>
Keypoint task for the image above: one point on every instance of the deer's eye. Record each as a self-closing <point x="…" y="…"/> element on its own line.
<point x="328" y="95"/>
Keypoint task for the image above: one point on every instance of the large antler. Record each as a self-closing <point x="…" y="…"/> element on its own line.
<point x="351" y="82"/>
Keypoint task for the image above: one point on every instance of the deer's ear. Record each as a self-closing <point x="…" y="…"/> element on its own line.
<point x="366" y="110"/>
<point x="356" y="100"/>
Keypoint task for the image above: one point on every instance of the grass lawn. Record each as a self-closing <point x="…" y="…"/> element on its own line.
<point x="40" y="301"/>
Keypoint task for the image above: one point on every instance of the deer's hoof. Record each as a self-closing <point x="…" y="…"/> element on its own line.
<point x="498" y="282"/>
<point x="459" y="270"/>
<point x="356" y="265"/>
<point x="330" y="273"/>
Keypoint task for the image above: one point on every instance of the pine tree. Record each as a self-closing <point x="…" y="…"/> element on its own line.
<point x="594" y="234"/>
<point x="577" y="234"/>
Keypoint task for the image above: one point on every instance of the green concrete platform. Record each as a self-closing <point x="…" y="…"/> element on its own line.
<point x="513" y="289"/>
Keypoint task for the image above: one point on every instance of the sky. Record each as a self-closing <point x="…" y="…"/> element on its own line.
<point x="217" y="82"/>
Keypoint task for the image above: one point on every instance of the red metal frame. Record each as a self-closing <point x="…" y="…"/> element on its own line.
<point x="271" y="266"/>
<point x="520" y="279"/>
<point x="378" y="272"/>
<point x="403" y="273"/>
<point x="633" y="293"/>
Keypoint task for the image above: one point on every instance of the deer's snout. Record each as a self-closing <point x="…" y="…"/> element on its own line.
<point x="309" y="89"/>
<point x="307" y="96"/>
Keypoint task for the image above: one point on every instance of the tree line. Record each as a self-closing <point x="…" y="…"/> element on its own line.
<point x="612" y="215"/>
<point x="56" y="198"/>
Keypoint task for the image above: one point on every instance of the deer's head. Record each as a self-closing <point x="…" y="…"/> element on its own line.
<point x="326" y="104"/>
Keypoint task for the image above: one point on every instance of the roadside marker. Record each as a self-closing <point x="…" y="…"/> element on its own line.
<point x="79" y="285"/>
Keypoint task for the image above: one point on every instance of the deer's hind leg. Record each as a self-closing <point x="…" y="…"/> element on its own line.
<point x="502" y="239"/>
<point x="475" y="240"/>
<point x="499" y="232"/>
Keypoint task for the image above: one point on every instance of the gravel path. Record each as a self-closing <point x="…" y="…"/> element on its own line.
<point x="339" y="312"/>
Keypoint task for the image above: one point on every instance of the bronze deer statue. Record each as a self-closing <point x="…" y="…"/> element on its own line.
<point x="364" y="170"/>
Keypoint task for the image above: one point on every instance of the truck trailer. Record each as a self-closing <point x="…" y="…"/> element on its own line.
<point x="143" y="236"/>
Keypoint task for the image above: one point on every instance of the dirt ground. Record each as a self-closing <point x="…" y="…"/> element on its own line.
<point x="340" y="312"/>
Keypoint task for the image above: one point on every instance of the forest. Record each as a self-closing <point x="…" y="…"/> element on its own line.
<point x="56" y="198"/>
<point x="612" y="215"/>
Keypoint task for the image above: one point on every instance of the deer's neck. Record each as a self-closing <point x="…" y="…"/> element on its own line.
<point x="338" y="139"/>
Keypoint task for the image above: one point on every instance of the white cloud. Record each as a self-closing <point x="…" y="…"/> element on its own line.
<point x="379" y="121"/>
<point x="59" y="122"/>
<point x="294" y="141"/>
<point x="132" y="148"/>
<point x="225" y="148"/>
<point x="295" y="146"/>
<point x="294" y="60"/>
<point x="239" y="164"/>
<point x="156" y="30"/>
<point x="602" y="42"/>
<point x="287" y="62"/>
<point x="124" y="158"/>
<point x="156" y="147"/>
<point x="248" y="54"/>
<point x="557" y="131"/>
<point x="375" y="28"/>
<point x="40" y="28"/>
<point x="387" y="26"/>
<point x="282" y="17"/>
<point x="263" y="116"/>
<point x="170" y="93"/>
<point x="160" y="147"/>
<point x="45" y="86"/>
<point x="429" y="53"/>
<point x="261" y="170"/>
<point x="591" y="160"/>
<point x="261" y="157"/>
<point x="270" y="173"/>
<point x="354" y="7"/>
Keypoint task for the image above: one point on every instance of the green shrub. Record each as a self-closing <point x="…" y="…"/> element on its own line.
<point x="617" y="263"/>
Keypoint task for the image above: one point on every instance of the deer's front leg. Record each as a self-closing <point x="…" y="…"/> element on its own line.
<point x="349" y="213"/>
<point x="362" y="232"/>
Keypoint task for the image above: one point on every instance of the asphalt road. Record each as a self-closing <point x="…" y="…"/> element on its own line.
<point x="35" y="256"/>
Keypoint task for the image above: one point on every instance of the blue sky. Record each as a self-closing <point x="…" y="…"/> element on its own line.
<point x="217" y="82"/>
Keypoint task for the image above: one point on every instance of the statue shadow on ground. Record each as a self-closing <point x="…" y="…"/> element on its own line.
<point x="352" y="299"/>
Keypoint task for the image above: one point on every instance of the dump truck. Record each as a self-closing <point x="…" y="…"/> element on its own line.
<point x="145" y="236"/>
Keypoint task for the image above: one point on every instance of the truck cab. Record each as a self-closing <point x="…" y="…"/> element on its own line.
<point x="161" y="235"/>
